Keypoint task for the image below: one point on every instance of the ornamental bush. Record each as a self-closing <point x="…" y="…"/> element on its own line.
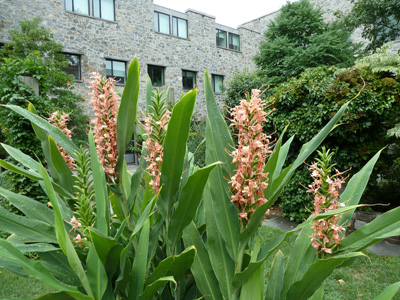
<point x="314" y="97"/>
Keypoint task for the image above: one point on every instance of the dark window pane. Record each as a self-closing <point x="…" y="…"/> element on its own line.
<point x="156" y="74"/>
<point x="217" y="82"/>
<point x="188" y="80"/>
<point x="74" y="66"/>
<point x="221" y="38"/>
<point x="109" y="72"/>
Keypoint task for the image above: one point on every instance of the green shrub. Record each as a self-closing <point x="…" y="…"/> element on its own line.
<point x="314" y="97"/>
<point x="195" y="141"/>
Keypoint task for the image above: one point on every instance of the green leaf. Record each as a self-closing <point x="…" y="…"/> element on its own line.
<point x="222" y="263"/>
<point x="33" y="267"/>
<point x="149" y="94"/>
<point x="316" y="275"/>
<point x="34" y="230"/>
<point x="139" y="266"/>
<point x="189" y="200"/>
<point x="57" y="264"/>
<point x="100" y="189"/>
<point x="174" y="151"/>
<point x="31" y="208"/>
<point x="21" y="157"/>
<point x="61" y="139"/>
<point x="389" y="292"/>
<point x="201" y="267"/>
<point x="96" y="274"/>
<point x="63" y="171"/>
<point x="276" y="277"/>
<point x="152" y="289"/>
<point x="282" y="157"/>
<point x="127" y="112"/>
<point x="63" y="237"/>
<point x="218" y="141"/>
<point x="30" y="174"/>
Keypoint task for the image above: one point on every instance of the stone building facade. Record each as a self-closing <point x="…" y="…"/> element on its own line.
<point x="110" y="37"/>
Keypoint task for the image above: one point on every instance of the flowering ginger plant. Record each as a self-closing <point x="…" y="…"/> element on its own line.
<point x="249" y="181"/>
<point x="325" y="188"/>
<point x="105" y="106"/>
<point x="60" y="120"/>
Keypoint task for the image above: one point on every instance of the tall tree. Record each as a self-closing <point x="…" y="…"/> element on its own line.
<point x="379" y="20"/>
<point x="299" y="39"/>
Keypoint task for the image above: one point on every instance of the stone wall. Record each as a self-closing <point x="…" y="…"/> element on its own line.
<point x="132" y="34"/>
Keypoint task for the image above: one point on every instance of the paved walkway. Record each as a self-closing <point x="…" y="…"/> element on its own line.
<point x="382" y="248"/>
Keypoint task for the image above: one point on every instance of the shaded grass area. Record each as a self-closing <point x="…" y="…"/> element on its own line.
<point x="362" y="280"/>
<point x="18" y="287"/>
<point x="366" y="278"/>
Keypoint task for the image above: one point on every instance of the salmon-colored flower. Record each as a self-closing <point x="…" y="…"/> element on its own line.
<point x="105" y="106"/>
<point x="60" y="120"/>
<point x="249" y="181"/>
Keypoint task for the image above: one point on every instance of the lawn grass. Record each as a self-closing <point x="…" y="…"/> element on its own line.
<point x="363" y="280"/>
<point x="366" y="278"/>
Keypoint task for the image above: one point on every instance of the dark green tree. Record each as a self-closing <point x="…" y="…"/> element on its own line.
<point x="379" y="20"/>
<point x="299" y="39"/>
<point x="33" y="52"/>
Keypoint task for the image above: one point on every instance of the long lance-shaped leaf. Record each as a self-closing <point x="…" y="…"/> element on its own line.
<point x="33" y="230"/>
<point x="355" y="188"/>
<point x="271" y="165"/>
<point x="31" y="208"/>
<point x="282" y="157"/>
<point x="21" y="157"/>
<point x="152" y="289"/>
<point x="61" y="139"/>
<point x="27" y="173"/>
<point x="275" y="187"/>
<point x="96" y="274"/>
<point x="201" y="267"/>
<point x="386" y="225"/>
<point x="189" y="200"/>
<point x="100" y="189"/>
<point x="223" y="264"/>
<point x="174" y="151"/>
<point x="219" y="140"/>
<point x="57" y="264"/>
<point x="62" y="235"/>
<point x="34" y="268"/>
<point x="316" y="275"/>
<point x="64" y="172"/>
<point x="275" y="280"/>
<point x="139" y="266"/>
<point x="389" y="292"/>
<point x="127" y="112"/>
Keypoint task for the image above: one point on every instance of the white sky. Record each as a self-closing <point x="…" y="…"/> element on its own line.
<point x="227" y="12"/>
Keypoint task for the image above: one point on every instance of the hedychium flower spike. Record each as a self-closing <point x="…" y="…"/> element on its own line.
<point x="60" y="120"/>
<point x="105" y="106"/>
<point x="155" y="125"/>
<point x="326" y="190"/>
<point x="249" y="181"/>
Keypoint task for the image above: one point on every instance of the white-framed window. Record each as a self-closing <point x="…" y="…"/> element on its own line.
<point x="103" y="9"/>
<point x="217" y="83"/>
<point x="116" y="69"/>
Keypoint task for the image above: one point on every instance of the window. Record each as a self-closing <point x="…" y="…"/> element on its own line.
<point x="234" y="42"/>
<point x="117" y="69"/>
<point x="156" y="74"/>
<point x="217" y="81"/>
<point x="161" y="23"/>
<point x="221" y="38"/>
<point x="103" y="9"/>
<point x="78" y="6"/>
<point x="74" y="65"/>
<point x="188" y="80"/>
<point x="179" y="27"/>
